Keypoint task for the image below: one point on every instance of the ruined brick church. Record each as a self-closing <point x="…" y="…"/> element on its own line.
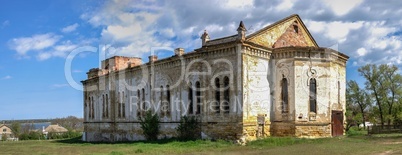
<point x="274" y="82"/>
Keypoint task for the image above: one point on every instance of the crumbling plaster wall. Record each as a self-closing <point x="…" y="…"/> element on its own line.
<point x="220" y="63"/>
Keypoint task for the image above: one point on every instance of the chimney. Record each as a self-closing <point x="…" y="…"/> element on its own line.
<point x="153" y="58"/>
<point x="179" y="51"/>
<point x="241" y="31"/>
<point x="205" y="38"/>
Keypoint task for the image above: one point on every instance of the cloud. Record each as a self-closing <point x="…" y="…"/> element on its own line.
<point x="369" y="31"/>
<point x="46" y="46"/>
<point x="69" y="28"/>
<point x="77" y="71"/>
<point x="5" y="24"/>
<point x="131" y="33"/>
<point x="342" y="7"/>
<point x="6" y="77"/>
<point x="60" y="85"/>
<point x="36" y="42"/>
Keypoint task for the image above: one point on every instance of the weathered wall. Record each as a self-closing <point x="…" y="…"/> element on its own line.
<point x="200" y="67"/>
<point x="257" y="94"/>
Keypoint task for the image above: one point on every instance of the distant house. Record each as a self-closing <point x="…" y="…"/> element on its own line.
<point x="6" y="130"/>
<point x="55" y="129"/>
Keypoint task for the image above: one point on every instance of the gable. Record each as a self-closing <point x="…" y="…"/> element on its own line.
<point x="282" y="34"/>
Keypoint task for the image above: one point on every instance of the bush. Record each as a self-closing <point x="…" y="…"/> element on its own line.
<point x="150" y="126"/>
<point x="32" y="135"/>
<point x="353" y="131"/>
<point x="3" y="137"/>
<point x="69" y="134"/>
<point x="189" y="128"/>
<point x="24" y="136"/>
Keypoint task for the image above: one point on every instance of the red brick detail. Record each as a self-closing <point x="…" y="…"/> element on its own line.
<point x="293" y="36"/>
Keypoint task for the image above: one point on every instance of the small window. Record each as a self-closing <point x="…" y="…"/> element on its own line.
<point x="284" y="95"/>
<point x="167" y="100"/>
<point x="339" y="92"/>
<point x="107" y="105"/>
<point x="296" y="28"/>
<point x="161" y="101"/>
<point x="226" y="94"/>
<point x="138" y="102"/>
<point x="103" y="106"/>
<point x="118" y="105"/>
<point x="313" y="95"/>
<point x="123" y="106"/>
<point x="4" y="130"/>
<point x="217" y="96"/>
<point x="190" y="99"/>
<point x="144" y="108"/>
<point x="198" y="96"/>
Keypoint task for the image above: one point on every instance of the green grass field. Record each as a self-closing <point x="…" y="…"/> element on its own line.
<point x="357" y="144"/>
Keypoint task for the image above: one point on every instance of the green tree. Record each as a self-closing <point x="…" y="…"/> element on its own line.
<point x="358" y="101"/>
<point x="373" y="76"/>
<point x="16" y="128"/>
<point x="150" y="126"/>
<point x="384" y="84"/>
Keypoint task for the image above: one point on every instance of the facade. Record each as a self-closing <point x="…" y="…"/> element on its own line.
<point x="274" y="82"/>
<point x="6" y="132"/>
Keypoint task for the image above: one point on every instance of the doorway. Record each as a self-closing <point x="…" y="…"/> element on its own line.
<point x="337" y="123"/>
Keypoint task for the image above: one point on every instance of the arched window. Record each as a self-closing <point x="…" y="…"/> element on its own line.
<point x="284" y="95"/>
<point x="226" y="96"/>
<point x="190" y="99"/>
<point x="217" y="96"/>
<point x="313" y="95"/>
<point x="138" y="102"/>
<point x="167" y="100"/>
<point x="198" y="96"/>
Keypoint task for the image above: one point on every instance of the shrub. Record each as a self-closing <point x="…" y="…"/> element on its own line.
<point x="188" y="128"/>
<point x="150" y="126"/>
<point x="353" y="131"/>
<point x="24" y="136"/>
<point x="3" y="137"/>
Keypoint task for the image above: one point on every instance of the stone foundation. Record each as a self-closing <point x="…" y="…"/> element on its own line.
<point x="313" y="130"/>
<point x="282" y="129"/>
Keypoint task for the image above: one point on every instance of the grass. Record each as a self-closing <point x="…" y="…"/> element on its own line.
<point x="356" y="144"/>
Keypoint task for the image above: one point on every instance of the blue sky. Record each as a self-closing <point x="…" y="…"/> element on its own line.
<point x="36" y="37"/>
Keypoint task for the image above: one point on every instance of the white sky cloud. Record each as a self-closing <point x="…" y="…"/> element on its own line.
<point x="70" y="28"/>
<point x="342" y="7"/>
<point x="5" y="24"/>
<point x="368" y="31"/>
<point x="60" y="85"/>
<point x="6" y="77"/>
<point x="36" y="42"/>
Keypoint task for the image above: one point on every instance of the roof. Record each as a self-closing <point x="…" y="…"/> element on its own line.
<point x="55" y="128"/>
<point x="280" y="22"/>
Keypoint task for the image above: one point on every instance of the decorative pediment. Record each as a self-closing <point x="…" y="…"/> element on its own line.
<point x="289" y="31"/>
